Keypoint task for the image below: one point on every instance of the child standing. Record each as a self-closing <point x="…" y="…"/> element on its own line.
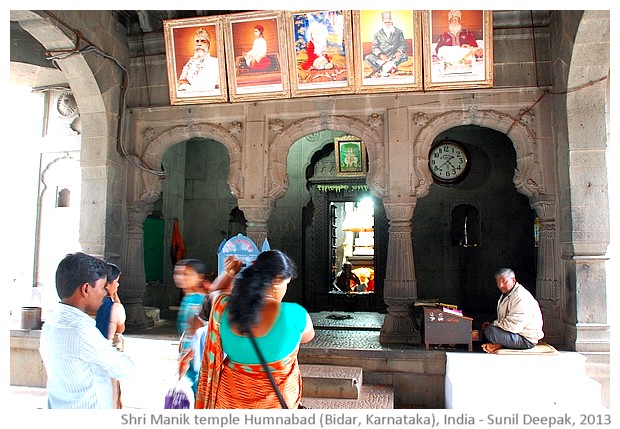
<point x="189" y="276"/>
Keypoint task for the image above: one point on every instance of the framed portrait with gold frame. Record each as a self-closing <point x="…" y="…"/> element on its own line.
<point x="387" y="50"/>
<point x="256" y="56"/>
<point x="350" y="154"/>
<point x="457" y="49"/>
<point x="195" y="60"/>
<point x="320" y="55"/>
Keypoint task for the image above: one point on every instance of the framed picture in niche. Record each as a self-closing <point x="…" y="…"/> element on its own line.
<point x="195" y="60"/>
<point x="256" y="56"/>
<point x="457" y="49"/>
<point x="350" y="154"/>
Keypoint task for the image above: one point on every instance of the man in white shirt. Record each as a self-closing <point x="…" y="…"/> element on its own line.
<point x="79" y="361"/>
<point x="519" y="323"/>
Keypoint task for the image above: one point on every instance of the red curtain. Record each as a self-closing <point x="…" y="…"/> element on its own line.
<point x="177" y="248"/>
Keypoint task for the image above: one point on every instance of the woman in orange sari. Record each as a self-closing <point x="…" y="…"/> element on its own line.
<point x="231" y="374"/>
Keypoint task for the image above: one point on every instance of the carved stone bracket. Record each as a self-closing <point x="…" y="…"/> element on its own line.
<point x="257" y="214"/>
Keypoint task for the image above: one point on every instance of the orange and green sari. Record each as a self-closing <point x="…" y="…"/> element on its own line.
<point x="230" y="385"/>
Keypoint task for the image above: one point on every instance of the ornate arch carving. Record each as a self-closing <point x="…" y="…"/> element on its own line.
<point x="278" y="179"/>
<point x="159" y="145"/>
<point x="527" y="177"/>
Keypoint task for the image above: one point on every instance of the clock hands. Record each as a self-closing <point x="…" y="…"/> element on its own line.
<point x="447" y="161"/>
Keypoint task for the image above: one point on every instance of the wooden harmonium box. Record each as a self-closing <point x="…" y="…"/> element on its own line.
<point x="444" y="325"/>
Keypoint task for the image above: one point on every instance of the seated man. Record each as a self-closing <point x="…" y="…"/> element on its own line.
<point x="347" y="281"/>
<point x="519" y="319"/>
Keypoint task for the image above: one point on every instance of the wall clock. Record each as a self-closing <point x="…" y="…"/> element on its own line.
<point x="448" y="161"/>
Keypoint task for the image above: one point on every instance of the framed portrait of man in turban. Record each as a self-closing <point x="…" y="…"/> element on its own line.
<point x="387" y="50"/>
<point x="457" y="49"/>
<point x="195" y="60"/>
<point x="256" y="56"/>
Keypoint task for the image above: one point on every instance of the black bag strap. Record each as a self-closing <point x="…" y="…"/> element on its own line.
<point x="266" y="368"/>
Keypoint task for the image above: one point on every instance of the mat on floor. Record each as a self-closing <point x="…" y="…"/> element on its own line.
<point x="539" y="349"/>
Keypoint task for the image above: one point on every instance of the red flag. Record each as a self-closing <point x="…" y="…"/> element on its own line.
<point x="177" y="248"/>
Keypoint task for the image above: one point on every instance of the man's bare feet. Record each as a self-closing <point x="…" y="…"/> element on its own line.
<point x="491" y="347"/>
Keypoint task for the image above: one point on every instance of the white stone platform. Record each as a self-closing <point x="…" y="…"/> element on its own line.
<point x="481" y="381"/>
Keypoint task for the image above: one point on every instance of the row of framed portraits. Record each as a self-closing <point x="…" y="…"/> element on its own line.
<point x="275" y="54"/>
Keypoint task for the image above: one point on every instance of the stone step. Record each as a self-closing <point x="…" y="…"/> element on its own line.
<point x="371" y="397"/>
<point x="329" y="381"/>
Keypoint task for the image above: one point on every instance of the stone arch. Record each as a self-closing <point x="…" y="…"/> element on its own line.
<point x="528" y="177"/>
<point x="279" y="147"/>
<point x="93" y="109"/>
<point x="159" y="145"/>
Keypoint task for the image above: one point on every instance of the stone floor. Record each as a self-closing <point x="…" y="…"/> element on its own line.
<point x="155" y="348"/>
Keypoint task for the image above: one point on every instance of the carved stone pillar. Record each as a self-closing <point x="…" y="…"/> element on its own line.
<point x="257" y="213"/>
<point x="400" y="290"/>
<point x="133" y="277"/>
<point x="547" y="284"/>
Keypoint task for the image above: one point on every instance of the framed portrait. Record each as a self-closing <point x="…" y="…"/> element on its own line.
<point x="195" y="60"/>
<point x="350" y="154"/>
<point x="256" y="56"/>
<point x="458" y="49"/>
<point x="320" y="56"/>
<point x="387" y="50"/>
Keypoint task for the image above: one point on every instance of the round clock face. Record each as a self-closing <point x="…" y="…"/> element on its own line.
<point x="448" y="162"/>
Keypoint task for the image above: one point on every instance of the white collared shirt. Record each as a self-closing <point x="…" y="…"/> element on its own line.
<point x="79" y="361"/>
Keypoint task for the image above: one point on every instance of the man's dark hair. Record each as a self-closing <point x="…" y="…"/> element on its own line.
<point x="75" y="270"/>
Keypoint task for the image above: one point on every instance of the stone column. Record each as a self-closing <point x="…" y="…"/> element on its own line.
<point x="547" y="284"/>
<point x="257" y="213"/>
<point x="133" y="279"/>
<point x="400" y="290"/>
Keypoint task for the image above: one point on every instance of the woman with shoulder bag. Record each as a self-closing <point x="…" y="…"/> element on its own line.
<point x="249" y="319"/>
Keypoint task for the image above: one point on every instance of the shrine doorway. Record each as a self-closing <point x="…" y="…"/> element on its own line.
<point x="328" y="212"/>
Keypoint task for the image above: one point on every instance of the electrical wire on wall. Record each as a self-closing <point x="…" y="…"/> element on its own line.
<point x="54" y="56"/>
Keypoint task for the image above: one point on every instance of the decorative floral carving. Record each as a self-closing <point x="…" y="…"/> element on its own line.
<point x="375" y="121"/>
<point x="420" y="119"/>
<point x="66" y="105"/>
<point x="276" y="126"/>
<point x="473" y="108"/>
<point x="235" y="128"/>
<point x="526" y="116"/>
<point x="148" y="134"/>
<point x="313" y="137"/>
